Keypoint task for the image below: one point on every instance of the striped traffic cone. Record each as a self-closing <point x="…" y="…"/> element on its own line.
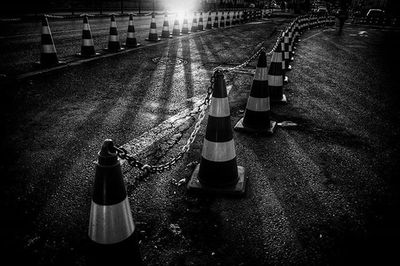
<point x="222" y="23"/>
<point x="165" y="31"/>
<point x="228" y="20"/>
<point x="153" y="37"/>
<point x="194" y="23"/>
<point x="200" y="26"/>
<point x="218" y="171"/>
<point x="257" y="115"/>
<point x="111" y="226"/>
<point x="216" y="24"/>
<point x="286" y="53"/>
<point x="234" y="18"/>
<point x="176" y="31"/>
<point x="276" y="76"/>
<point x="291" y="47"/>
<point x="113" y="42"/>
<point x="87" y="47"/>
<point x="48" y="54"/>
<point x="209" y="23"/>
<point x="131" y="41"/>
<point x="185" y="25"/>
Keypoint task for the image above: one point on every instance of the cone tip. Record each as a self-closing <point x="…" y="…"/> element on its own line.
<point x="107" y="149"/>
<point x="262" y="60"/>
<point x="44" y="20"/>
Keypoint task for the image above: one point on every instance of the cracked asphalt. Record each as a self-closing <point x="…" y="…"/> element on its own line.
<point x="324" y="192"/>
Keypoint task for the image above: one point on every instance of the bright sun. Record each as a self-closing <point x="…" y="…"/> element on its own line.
<point x="181" y="6"/>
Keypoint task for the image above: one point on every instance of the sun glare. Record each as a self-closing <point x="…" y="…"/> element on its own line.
<point x="181" y="6"/>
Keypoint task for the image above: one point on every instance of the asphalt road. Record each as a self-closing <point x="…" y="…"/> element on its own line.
<point x="323" y="192"/>
<point x="20" y="41"/>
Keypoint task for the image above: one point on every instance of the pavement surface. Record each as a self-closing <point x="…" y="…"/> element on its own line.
<point x="323" y="192"/>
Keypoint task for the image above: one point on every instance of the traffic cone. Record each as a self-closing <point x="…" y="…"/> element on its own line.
<point x="153" y="36"/>
<point x="200" y="26"/>
<point x="111" y="226"/>
<point x="276" y="76"/>
<point x="185" y="25"/>
<point x="216" y="24"/>
<point x="194" y="23"/>
<point x="291" y="48"/>
<point x="87" y="47"/>
<point x="176" y="31"/>
<point x="165" y="31"/>
<point x="209" y="24"/>
<point x="234" y="18"/>
<point x="113" y="41"/>
<point x="131" y="41"/>
<point x="286" y="53"/>
<point x="228" y="20"/>
<point x="110" y="214"/>
<point x="218" y="171"/>
<point x="257" y="115"/>
<point x="222" y="23"/>
<point x="48" y="54"/>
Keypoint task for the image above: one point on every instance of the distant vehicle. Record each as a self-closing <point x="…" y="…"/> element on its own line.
<point x="376" y="13"/>
<point x="322" y="10"/>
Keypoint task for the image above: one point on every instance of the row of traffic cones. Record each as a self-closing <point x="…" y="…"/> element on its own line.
<point x="218" y="170"/>
<point x="48" y="56"/>
<point x="111" y="223"/>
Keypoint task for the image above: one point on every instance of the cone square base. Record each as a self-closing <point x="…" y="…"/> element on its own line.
<point x="194" y="184"/>
<point x="282" y="100"/>
<point x="87" y="56"/>
<point x="131" y="47"/>
<point x="114" y="51"/>
<point x="38" y="64"/>
<point x="267" y="130"/>
<point x="153" y="40"/>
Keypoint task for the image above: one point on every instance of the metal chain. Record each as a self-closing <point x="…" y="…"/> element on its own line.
<point x="254" y="56"/>
<point x="133" y="162"/>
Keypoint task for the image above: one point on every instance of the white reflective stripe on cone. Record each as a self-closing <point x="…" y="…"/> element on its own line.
<point x="113" y="24"/>
<point x="275" y="80"/>
<point x="153" y="31"/>
<point x="277" y="57"/>
<point x="218" y="151"/>
<point x="86" y="26"/>
<point x="131" y="35"/>
<point x="261" y="73"/>
<point x="46" y="30"/>
<point x="286" y="55"/>
<point x="87" y="42"/>
<point x="110" y="224"/>
<point x="48" y="49"/>
<point x="113" y="38"/>
<point x="219" y="107"/>
<point x="258" y="104"/>
<point x="165" y="28"/>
